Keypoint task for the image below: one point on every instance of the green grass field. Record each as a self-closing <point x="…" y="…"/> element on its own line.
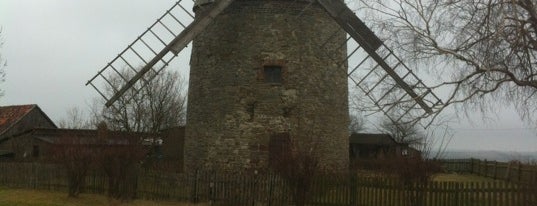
<point x="25" y="197"/>
<point x="452" y="177"/>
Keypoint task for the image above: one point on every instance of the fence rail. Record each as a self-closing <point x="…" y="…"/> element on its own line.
<point x="269" y="189"/>
<point x="513" y="171"/>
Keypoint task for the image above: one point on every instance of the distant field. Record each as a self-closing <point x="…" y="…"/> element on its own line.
<point x="24" y="197"/>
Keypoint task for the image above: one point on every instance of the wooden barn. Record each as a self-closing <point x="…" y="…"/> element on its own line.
<point x="372" y="146"/>
<point x="17" y="119"/>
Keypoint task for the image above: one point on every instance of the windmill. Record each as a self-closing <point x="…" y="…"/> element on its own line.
<point x="264" y="71"/>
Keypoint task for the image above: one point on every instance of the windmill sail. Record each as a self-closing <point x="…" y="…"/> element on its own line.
<point x="152" y="51"/>
<point x="382" y="76"/>
<point x="391" y="86"/>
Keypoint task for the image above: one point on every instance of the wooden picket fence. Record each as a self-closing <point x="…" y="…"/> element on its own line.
<point x="247" y="188"/>
<point x="513" y="171"/>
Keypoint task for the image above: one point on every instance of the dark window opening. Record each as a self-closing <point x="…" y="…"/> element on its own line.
<point x="251" y="111"/>
<point x="273" y="74"/>
<point x="286" y="112"/>
<point x="279" y="149"/>
<point x="35" y="151"/>
<point x="157" y="149"/>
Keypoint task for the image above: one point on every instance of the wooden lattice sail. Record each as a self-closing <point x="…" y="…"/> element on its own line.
<point x="156" y="47"/>
<point x="383" y="77"/>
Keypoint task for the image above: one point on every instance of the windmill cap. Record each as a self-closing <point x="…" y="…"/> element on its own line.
<point x="199" y="3"/>
<point x="202" y="2"/>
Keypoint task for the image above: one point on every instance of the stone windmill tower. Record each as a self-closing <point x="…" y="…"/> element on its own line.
<point x="267" y="72"/>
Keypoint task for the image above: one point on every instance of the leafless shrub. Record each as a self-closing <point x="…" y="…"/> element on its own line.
<point x="297" y="165"/>
<point x="119" y="158"/>
<point x="77" y="157"/>
<point x="413" y="173"/>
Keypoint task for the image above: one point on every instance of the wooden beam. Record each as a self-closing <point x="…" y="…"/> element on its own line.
<point x="351" y="23"/>
<point x="199" y="25"/>
<point x="177" y="44"/>
<point x="368" y="41"/>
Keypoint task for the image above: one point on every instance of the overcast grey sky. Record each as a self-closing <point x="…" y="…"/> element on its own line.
<point x="54" y="46"/>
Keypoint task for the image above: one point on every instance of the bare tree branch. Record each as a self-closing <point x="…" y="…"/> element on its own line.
<point x="159" y="105"/>
<point x="75" y="119"/>
<point x="489" y="47"/>
<point x="3" y="63"/>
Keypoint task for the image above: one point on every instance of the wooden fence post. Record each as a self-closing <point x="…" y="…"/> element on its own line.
<point x="519" y="172"/>
<point x="495" y="169"/>
<point x="485" y="168"/>
<point x="212" y="188"/>
<point x="471" y="166"/>
<point x="508" y="171"/>
<point x="534" y="177"/>
<point x="353" y="188"/>
<point x="478" y="166"/>
<point x="271" y="188"/>
<point x="255" y="188"/>
<point x="194" y="192"/>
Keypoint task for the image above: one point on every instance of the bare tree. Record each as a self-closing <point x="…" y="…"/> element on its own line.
<point x="75" y="119"/>
<point x="483" y="51"/>
<point x="432" y="142"/>
<point x="3" y="63"/>
<point x="435" y="141"/>
<point x="357" y="123"/>
<point x="160" y="104"/>
<point x="402" y="133"/>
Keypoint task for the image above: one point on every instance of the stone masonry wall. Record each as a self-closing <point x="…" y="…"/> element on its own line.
<point x="232" y="112"/>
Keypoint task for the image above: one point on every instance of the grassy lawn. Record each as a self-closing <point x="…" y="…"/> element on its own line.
<point x="453" y="177"/>
<point x="25" y="197"/>
<point x="442" y="177"/>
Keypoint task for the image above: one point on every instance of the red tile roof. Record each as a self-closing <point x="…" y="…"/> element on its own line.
<point x="10" y="115"/>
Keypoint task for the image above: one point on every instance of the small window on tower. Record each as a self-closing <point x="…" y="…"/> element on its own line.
<point x="273" y="74"/>
<point x="35" y="151"/>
